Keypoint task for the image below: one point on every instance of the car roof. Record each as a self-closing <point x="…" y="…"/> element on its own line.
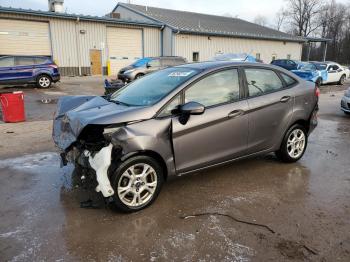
<point x="33" y="56"/>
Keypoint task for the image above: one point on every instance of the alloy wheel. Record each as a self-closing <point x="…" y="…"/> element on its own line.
<point x="137" y="185"/>
<point x="296" y="143"/>
<point x="44" y="81"/>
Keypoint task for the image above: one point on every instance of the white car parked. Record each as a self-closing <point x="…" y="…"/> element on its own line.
<point x="336" y="73"/>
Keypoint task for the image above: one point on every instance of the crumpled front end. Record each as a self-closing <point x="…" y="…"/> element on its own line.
<point x="97" y="135"/>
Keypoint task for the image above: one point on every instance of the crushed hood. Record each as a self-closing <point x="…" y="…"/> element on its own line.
<point x="74" y="113"/>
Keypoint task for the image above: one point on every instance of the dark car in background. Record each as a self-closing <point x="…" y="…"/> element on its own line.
<point x="38" y="70"/>
<point x="286" y="64"/>
<point x="181" y="120"/>
<point x="148" y="65"/>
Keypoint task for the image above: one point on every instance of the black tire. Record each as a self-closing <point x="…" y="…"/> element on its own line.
<point x="319" y="82"/>
<point x="347" y="113"/>
<point x="117" y="178"/>
<point x="283" y="153"/>
<point x="342" y="80"/>
<point x="139" y="76"/>
<point x="43" y="81"/>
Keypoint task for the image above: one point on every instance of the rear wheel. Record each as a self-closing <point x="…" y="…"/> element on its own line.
<point x="137" y="183"/>
<point x="293" y="145"/>
<point x="44" y="81"/>
<point x="342" y="80"/>
<point x="319" y="82"/>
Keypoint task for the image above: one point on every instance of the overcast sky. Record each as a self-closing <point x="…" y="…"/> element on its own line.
<point x="246" y="9"/>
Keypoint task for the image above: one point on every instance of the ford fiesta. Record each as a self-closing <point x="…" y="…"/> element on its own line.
<point x="182" y="120"/>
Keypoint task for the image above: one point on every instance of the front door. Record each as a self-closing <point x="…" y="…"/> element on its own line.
<point x="96" y="62"/>
<point x="270" y="108"/>
<point x="218" y="135"/>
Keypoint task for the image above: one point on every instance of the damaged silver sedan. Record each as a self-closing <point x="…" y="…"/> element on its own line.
<point x="182" y="120"/>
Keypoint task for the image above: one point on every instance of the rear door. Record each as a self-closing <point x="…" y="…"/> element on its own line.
<point x="6" y="68"/>
<point x="218" y="135"/>
<point x="334" y="73"/>
<point x="270" y="107"/>
<point x="25" y="67"/>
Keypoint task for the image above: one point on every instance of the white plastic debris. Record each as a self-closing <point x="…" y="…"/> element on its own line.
<point x="100" y="163"/>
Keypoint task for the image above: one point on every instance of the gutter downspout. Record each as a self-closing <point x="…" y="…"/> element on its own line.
<point x="162" y="40"/>
<point x="78" y="44"/>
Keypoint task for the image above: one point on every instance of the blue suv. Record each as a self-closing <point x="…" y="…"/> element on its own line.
<point x="38" y="70"/>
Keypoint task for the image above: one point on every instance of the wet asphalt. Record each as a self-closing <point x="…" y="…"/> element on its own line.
<point x="254" y="210"/>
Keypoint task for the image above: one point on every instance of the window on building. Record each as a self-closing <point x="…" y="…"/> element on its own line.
<point x="262" y="81"/>
<point x="218" y="88"/>
<point x="195" y="56"/>
<point x="258" y="56"/>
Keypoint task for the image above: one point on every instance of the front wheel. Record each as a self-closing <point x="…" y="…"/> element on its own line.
<point x="44" y="81"/>
<point x="137" y="183"/>
<point x="293" y="145"/>
<point x="139" y="76"/>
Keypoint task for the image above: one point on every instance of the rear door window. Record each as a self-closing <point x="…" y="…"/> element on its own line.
<point x="41" y="60"/>
<point x="25" y="61"/>
<point x="7" y="62"/>
<point x="262" y="81"/>
<point x="289" y="80"/>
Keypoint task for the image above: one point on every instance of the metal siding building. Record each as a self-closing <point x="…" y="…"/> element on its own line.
<point x="208" y="47"/>
<point x="193" y="35"/>
<point x="70" y="39"/>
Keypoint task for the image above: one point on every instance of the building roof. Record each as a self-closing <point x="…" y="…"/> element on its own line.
<point x="196" y="23"/>
<point x="105" y="19"/>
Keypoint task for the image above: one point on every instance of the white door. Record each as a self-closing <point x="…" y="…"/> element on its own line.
<point x="19" y="37"/>
<point x="334" y="73"/>
<point x="124" y="47"/>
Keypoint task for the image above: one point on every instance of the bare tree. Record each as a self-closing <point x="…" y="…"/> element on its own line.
<point x="260" y="20"/>
<point x="280" y="19"/>
<point x="303" y="15"/>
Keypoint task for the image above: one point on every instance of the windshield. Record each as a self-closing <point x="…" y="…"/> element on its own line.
<point x="153" y="87"/>
<point x="141" y="62"/>
<point x="321" y="66"/>
<point x="307" y="67"/>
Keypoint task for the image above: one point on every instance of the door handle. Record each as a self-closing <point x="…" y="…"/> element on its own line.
<point x="285" y="99"/>
<point x="235" y="113"/>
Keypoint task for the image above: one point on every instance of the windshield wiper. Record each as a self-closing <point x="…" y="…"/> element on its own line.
<point x="120" y="103"/>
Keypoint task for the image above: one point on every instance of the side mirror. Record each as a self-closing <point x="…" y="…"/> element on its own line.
<point x="192" y="108"/>
<point x="148" y="65"/>
<point x="188" y="109"/>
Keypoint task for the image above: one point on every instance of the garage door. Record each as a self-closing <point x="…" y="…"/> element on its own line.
<point x="124" y="47"/>
<point x="18" y="37"/>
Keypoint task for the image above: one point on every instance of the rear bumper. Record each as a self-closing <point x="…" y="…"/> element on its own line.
<point x="313" y="120"/>
<point x="56" y="78"/>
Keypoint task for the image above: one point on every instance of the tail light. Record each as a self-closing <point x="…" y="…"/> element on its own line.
<point x="53" y="66"/>
<point x="317" y="92"/>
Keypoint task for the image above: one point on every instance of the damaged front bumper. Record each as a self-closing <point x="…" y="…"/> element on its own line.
<point x="98" y="161"/>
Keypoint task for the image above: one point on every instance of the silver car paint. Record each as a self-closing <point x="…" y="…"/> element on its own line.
<point x="206" y="140"/>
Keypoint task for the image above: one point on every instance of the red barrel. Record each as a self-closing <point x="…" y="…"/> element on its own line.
<point x="12" y="105"/>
